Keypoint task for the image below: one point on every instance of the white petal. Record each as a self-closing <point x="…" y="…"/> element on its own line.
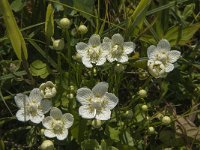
<point x="117" y="39"/>
<point x="46" y="105"/>
<point x="68" y="120"/>
<point x="100" y="89"/>
<point x="110" y="58"/>
<point x="173" y="56"/>
<point x="164" y="44"/>
<point x="21" y="115"/>
<point x="111" y="100"/>
<point x="20" y="100"/>
<point x="95" y="40"/>
<point x="81" y="48"/>
<point x="56" y="113"/>
<point x="169" y="67"/>
<point x="63" y="135"/>
<point x="84" y="95"/>
<point x="103" y="114"/>
<point x="106" y="47"/>
<point x="86" y="62"/>
<point x="129" y="47"/>
<point x="123" y="58"/>
<point x="47" y="122"/>
<point x="101" y="61"/>
<point x="38" y="118"/>
<point x="150" y="49"/>
<point x="49" y="133"/>
<point x="35" y="95"/>
<point x="106" y="39"/>
<point x="86" y="112"/>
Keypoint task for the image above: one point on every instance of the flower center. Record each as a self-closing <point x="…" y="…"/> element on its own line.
<point x="48" y="90"/>
<point x="117" y="51"/>
<point x="162" y="56"/>
<point x="57" y="126"/>
<point x="97" y="102"/>
<point x="94" y="53"/>
<point x="32" y="109"/>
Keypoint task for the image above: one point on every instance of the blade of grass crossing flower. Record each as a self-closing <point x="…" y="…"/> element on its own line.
<point x="13" y="31"/>
<point x="136" y="20"/>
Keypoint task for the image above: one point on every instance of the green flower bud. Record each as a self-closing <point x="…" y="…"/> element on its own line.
<point x="142" y="93"/>
<point x="64" y="23"/>
<point x="151" y="130"/>
<point x="47" y="145"/>
<point x="144" y="107"/>
<point x="119" y="68"/>
<point x="82" y="29"/>
<point x="72" y="88"/>
<point x="166" y="120"/>
<point x="96" y="123"/>
<point x="58" y="44"/>
<point x="128" y="114"/>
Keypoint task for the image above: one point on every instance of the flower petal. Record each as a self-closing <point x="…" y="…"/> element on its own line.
<point x="84" y="95"/>
<point x="20" y="100"/>
<point x="46" y="105"/>
<point x="68" y="120"/>
<point x="47" y="122"/>
<point x="103" y="114"/>
<point x="173" y="56"/>
<point x="86" y="112"/>
<point x="117" y="39"/>
<point x="56" y="113"/>
<point x="123" y="58"/>
<point x="150" y="49"/>
<point x="94" y="40"/>
<point x="100" y="89"/>
<point x="21" y="115"/>
<point x="86" y="62"/>
<point x="101" y="61"/>
<point x="81" y="47"/>
<point x="164" y="44"/>
<point x="49" y="133"/>
<point x="110" y="58"/>
<point x="35" y="95"/>
<point x="106" y="39"/>
<point x="63" y="135"/>
<point x="169" y="67"/>
<point x="37" y="118"/>
<point x="129" y="47"/>
<point x="111" y="100"/>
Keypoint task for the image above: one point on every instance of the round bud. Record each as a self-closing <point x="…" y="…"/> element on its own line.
<point x="128" y="114"/>
<point x="82" y="29"/>
<point x="166" y="120"/>
<point x="42" y="131"/>
<point x="96" y="123"/>
<point x="151" y="130"/>
<point x="71" y="96"/>
<point x="58" y="44"/>
<point x="119" y="68"/>
<point x="72" y="88"/>
<point x="47" y="145"/>
<point x="64" y="23"/>
<point x="142" y="93"/>
<point x="144" y="107"/>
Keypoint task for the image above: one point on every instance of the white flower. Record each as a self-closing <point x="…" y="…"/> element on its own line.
<point x="94" y="52"/>
<point x="163" y="53"/>
<point x="48" y="89"/>
<point x="118" y="49"/>
<point x="57" y="124"/>
<point x="96" y="103"/>
<point x="156" y="68"/>
<point x="33" y="107"/>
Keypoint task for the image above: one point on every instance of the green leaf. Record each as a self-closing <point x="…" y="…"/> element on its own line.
<point x="17" y="40"/>
<point x="49" y="22"/>
<point x="186" y="35"/>
<point x="2" y="145"/>
<point x="188" y="10"/>
<point x="114" y="133"/>
<point x="90" y="144"/>
<point x="38" y="68"/>
<point x="17" y="5"/>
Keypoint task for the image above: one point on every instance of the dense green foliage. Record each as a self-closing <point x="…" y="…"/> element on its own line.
<point x="167" y="115"/>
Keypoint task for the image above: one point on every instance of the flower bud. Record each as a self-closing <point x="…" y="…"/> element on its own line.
<point x="58" y="44"/>
<point x="166" y="120"/>
<point x="74" y="32"/>
<point x="151" y="130"/>
<point x="72" y="88"/>
<point x="42" y="131"/>
<point x="144" y="107"/>
<point x="128" y="114"/>
<point x="142" y="93"/>
<point x="96" y="123"/>
<point x="64" y="23"/>
<point x="82" y="29"/>
<point x="48" y="89"/>
<point x="70" y="96"/>
<point x="47" y="145"/>
<point x="119" y="68"/>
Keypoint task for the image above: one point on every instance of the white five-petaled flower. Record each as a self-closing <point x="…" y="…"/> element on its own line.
<point x="57" y="124"/>
<point x="48" y="89"/>
<point x="118" y="49"/>
<point x="96" y="103"/>
<point x="161" y="58"/>
<point x="33" y="107"/>
<point x="94" y="52"/>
